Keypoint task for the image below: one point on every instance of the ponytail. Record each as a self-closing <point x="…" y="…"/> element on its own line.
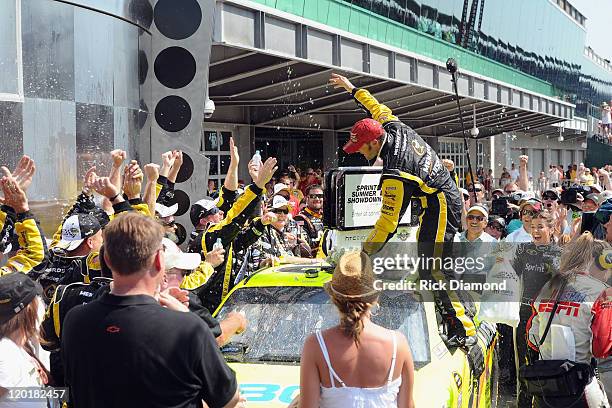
<point x="351" y="317"/>
<point x="577" y="258"/>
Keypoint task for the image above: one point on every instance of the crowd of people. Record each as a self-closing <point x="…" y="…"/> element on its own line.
<point x="557" y="234"/>
<point x="112" y="308"/>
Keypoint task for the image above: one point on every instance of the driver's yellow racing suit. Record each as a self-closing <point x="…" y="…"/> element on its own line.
<point x="411" y="168"/>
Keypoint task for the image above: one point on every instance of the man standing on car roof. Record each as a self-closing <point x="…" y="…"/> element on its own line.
<point x="411" y="168"/>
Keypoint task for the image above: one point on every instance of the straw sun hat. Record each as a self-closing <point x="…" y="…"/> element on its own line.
<point x="353" y="279"/>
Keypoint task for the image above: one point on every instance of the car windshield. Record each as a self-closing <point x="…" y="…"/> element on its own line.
<point x="280" y="319"/>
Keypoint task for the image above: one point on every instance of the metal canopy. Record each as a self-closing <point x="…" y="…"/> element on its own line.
<point x="276" y="67"/>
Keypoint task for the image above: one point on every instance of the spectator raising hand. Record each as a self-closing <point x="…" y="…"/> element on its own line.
<point x="24" y="172"/>
<point x="14" y="196"/>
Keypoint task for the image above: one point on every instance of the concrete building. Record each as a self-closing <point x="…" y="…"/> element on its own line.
<point x="79" y="78"/>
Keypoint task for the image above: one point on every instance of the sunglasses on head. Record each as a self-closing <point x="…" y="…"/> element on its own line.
<point x="478" y="218"/>
<point x="315" y="196"/>
<point x="280" y="211"/>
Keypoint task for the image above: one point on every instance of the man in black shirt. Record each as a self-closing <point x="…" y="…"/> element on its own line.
<point x="125" y="350"/>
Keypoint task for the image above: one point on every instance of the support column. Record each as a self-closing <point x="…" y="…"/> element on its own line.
<point x="472" y="145"/>
<point x="330" y="150"/>
<point x="500" y="156"/>
<point x="243" y="139"/>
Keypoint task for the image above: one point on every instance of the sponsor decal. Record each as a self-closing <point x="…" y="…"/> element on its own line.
<point x="457" y="379"/>
<point x="570" y="308"/>
<point x="255" y="392"/>
<point x="418" y="148"/>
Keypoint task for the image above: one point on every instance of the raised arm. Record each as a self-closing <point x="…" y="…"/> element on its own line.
<point x="32" y="249"/>
<point x="150" y="192"/>
<point x="523" y="180"/>
<point x="379" y="112"/>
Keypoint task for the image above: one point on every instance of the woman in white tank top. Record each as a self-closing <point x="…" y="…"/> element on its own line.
<point x="357" y="363"/>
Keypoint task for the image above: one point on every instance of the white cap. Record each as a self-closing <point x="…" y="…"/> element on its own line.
<point x="164" y="211"/>
<point x="605" y="195"/>
<point x="175" y="258"/>
<point x="597" y="188"/>
<point x="480" y="209"/>
<point x="279" y="202"/>
<point x="76" y="229"/>
<point x="278" y="187"/>
<point x="208" y="203"/>
<point x="464" y="191"/>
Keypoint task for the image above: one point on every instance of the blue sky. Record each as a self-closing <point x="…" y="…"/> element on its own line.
<point x="599" y="17"/>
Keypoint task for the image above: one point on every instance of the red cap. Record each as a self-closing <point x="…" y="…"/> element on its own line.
<point x="363" y="132"/>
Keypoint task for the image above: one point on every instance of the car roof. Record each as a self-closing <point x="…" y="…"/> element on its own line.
<point x="288" y="275"/>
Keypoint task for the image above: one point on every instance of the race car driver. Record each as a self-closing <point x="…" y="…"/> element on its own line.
<point x="411" y="168"/>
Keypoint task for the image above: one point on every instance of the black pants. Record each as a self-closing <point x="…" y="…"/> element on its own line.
<point x="439" y="222"/>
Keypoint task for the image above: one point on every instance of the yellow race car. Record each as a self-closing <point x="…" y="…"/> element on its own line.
<point x="284" y="304"/>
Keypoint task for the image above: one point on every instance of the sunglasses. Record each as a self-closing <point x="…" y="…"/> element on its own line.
<point x="509" y="192"/>
<point x="530" y="213"/>
<point x="496" y="226"/>
<point x="549" y="197"/>
<point x="477" y="189"/>
<point x="279" y="211"/>
<point x="315" y="196"/>
<point x="169" y="224"/>
<point x="478" y="218"/>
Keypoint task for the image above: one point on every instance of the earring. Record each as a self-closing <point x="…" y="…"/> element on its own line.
<point x="375" y="309"/>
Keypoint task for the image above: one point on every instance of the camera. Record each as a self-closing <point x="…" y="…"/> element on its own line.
<point x="569" y="196"/>
<point x="499" y="206"/>
<point x="209" y="108"/>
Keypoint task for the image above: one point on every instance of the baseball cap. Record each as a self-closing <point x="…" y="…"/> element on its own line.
<point x="498" y="220"/>
<point x="165" y="211"/>
<point x="605" y="195"/>
<point x="498" y="190"/>
<point x="76" y="229"/>
<point x="551" y="192"/>
<point x="363" y="132"/>
<point x="534" y="202"/>
<point x="596" y="187"/>
<point x="278" y="187"/>
<point x="593" y="197"/>
<point x="480" y="209"/>
<point x="175" y="258"/>
<point x="204" y="207"/>
<point x="17" y="290"/>
<point x="280" y="202"/>
<point x="604" y="212"/>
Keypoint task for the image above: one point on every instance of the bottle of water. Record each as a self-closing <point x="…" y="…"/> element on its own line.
<point x="218" y="244"/>
<point x="257" y="159"/>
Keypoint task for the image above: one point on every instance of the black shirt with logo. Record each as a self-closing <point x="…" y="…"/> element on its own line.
<point x="535" y="264"/>
<point x="128" y="351"/>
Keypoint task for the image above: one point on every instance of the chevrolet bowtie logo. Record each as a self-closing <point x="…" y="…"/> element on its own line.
<point x="353" y="138"/>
